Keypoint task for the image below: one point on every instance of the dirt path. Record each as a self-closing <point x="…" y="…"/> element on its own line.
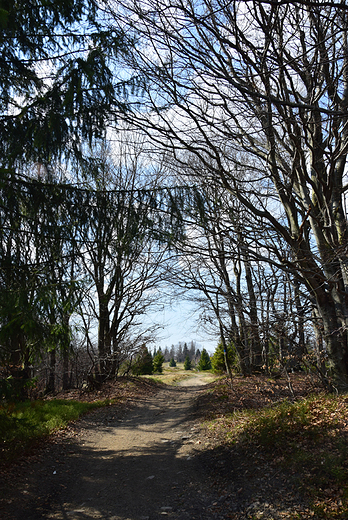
<point x="149" y="462"/>
<point x="139" y="467"/>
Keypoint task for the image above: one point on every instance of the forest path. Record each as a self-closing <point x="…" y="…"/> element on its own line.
<point x="137" y="467"/>
<point x="149" y="457"/>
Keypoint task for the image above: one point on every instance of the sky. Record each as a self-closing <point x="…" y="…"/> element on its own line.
<point x="179" y="323"/>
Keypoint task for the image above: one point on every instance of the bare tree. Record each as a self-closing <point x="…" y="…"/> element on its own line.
<point x="258" y="92"/>
<point x="121" y="258"/>
<point x="230" y="287"/>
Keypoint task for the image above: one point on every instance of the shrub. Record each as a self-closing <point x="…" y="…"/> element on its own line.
<point x="23" y="423"/>
<point x="172" y="363"/>
<point x="15" y="388"/>
<point x="218" y="358"/>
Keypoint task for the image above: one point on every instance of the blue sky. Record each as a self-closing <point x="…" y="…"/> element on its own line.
<point x="180" y="324"/>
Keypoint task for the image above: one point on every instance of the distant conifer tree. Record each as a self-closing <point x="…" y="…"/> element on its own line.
<point x="143" y="364"/>
<point x="204" y="363"/>
<point x="158" y="361"/>
<point x="172" y="362"/>
<point x="187" y="364"/>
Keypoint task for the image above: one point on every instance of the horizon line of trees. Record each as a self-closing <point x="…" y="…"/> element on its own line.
<point x="180" y="351"/>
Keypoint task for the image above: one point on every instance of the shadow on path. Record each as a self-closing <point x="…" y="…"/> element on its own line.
<point x="134" y="468"/>
<point x="150" y="464"/>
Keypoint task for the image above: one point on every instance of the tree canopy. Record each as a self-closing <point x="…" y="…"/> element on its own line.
<point x="259" y="93"/>
<point x="243" y="106"/>
<point x="56" y="83"/>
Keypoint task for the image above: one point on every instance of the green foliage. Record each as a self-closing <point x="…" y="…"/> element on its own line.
<point x="143" y="364"/>
<point x="286" y="425"/>
<point x="37" y="297"/>
<point x="204" y="362"/>
<point x="187" y="364"/>
<point x="172" y="362"/>
<point x="74" y="102"/>
<point x="14" y="388"/>
<point x="41" y="272"/>
<point x="218" y="358"/>
<point x="23" y="423"/>
<point x="156" y="380"/>
<point x="158" y="361"/>
<point x="276" y="425"/>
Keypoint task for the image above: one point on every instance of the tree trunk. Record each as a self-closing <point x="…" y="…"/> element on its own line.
<point x="104" y="343"/>
<point x="336" y="342"/>
<point x="255" y="344"/>
<point x="301" y="347"/>
<point x="51" y="383"/>
<point x="66" y="382"/>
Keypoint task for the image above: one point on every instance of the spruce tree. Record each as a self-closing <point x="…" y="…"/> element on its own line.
<point x="158" y="361"/>
<point x="192" y="350"/>
<point x="166" y="354"/>
<point x="46" y="115"/>
<point x="143" y="364"/>
<point x="204" y="363"/>
<point x="218" y="359"/>
<point x="179" y="354"/>
<point x="187" y="364"/>
<point x="185" y="351"/>
<point x="172" y="362"/>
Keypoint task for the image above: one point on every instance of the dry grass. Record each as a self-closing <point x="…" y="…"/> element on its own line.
<point x="304" y="433"/>
<point x="175" y="375"/>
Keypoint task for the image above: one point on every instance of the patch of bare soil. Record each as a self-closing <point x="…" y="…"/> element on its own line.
<point x="146" y="460"/>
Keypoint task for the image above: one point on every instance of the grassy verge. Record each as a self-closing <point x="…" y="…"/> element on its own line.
<point x="23" y="424"/>
<point x="174" y="375"/>
<point x="310" y="439"/>
<point x="171" y="375"/>
<point x="307" y="438"/>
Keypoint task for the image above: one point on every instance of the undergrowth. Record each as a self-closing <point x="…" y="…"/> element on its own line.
<point x="308" y="438"/>
<point x="22" y="424"/>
